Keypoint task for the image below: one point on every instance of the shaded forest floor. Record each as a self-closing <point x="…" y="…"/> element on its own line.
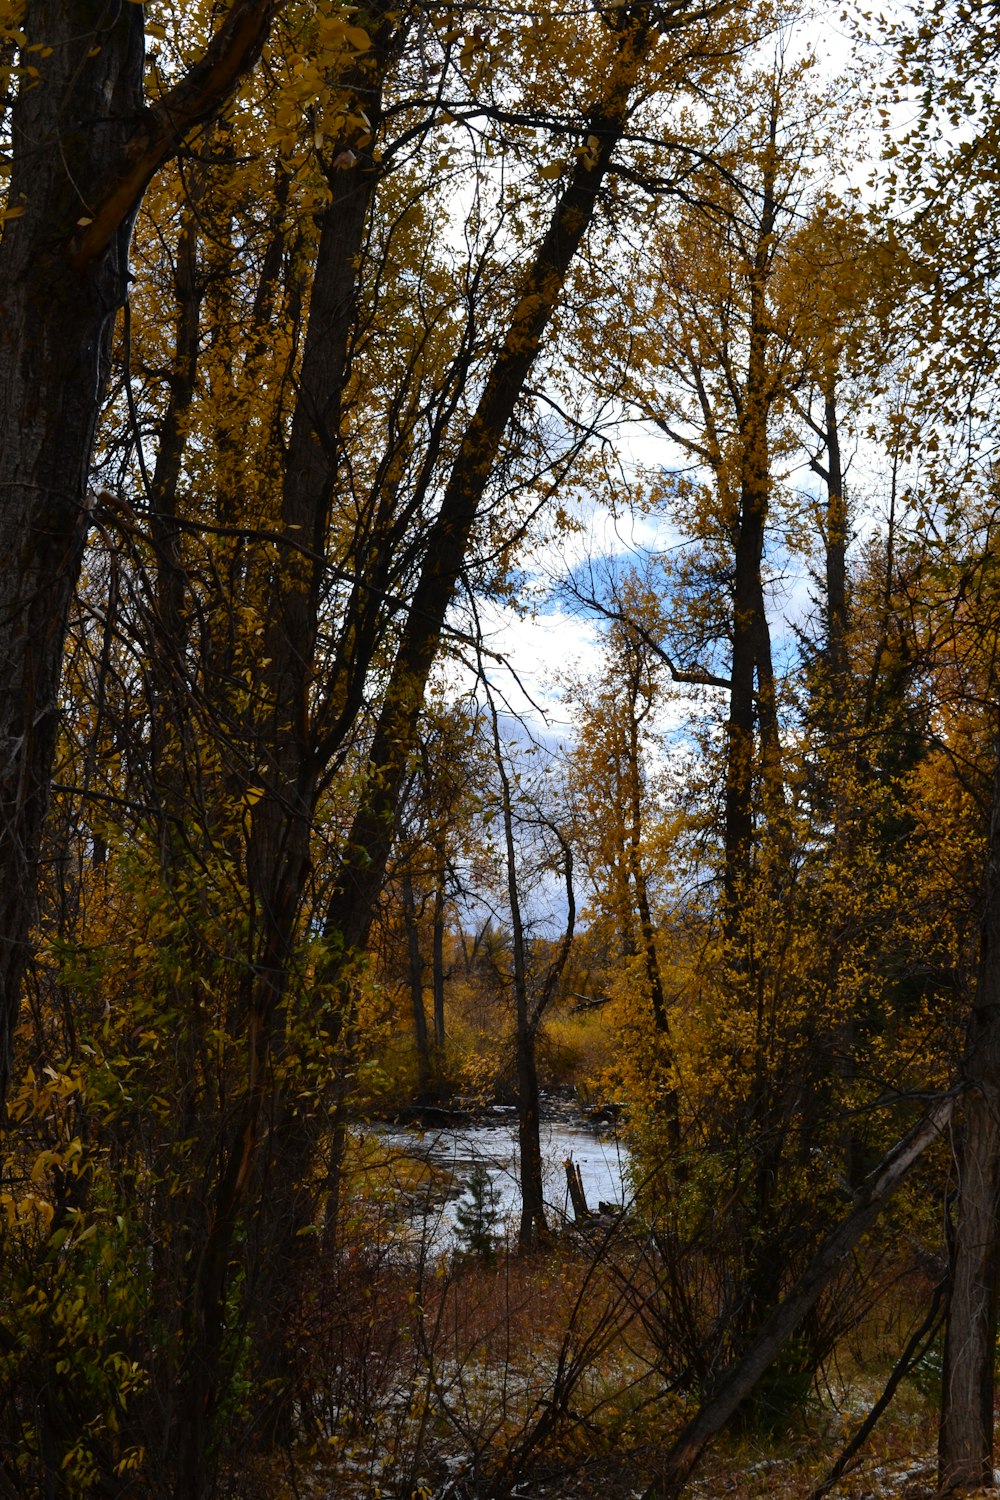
<point x="528" y="1379"/>
<point x="899" y="1463"/>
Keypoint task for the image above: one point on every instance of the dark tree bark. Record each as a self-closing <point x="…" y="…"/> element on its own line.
<point x="84" y="150"/>
<point x="829" y="467"/>
<point x="533" y="1227"/>
<point x="835" y="708"/>
<point x="350" y="911"/>
<point x="437" y="957"/>
<point x="751" y="655"/>
<point x="170" y="722"/>
<point x="415" y="975"/>
<point x="837" y="621"/>
<point x="965" y="1448"/>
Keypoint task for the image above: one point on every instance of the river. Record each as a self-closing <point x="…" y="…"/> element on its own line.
<point x="488" y="1144"/>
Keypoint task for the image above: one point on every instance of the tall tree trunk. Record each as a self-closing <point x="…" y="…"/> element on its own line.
<point x="437" y="962"/>
<point x="751" y="662"/>
<point x="837" y="622"/>
<point x="84" y="151"/>
<point x="755" y="711"/>
<point x="56" y="320"/>
<point x="349" y="914"/>
<point x="965" y="1448"/>
<point x="285" y="769"/>
<point x="836" y="713"/>
<point x="533" y="1227"/>
<point x="751" y="638"/>
<point x="632" y="853"/>
<point x="415" y="974"/>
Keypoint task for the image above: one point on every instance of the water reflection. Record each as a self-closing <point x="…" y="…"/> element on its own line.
<point x="490" y="1144"/>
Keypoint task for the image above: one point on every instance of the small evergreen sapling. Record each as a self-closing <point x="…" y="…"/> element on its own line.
<point x="476" y="1217"/>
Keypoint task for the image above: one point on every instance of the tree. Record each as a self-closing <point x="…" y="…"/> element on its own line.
<point x="619" y="812"/>
<point x="940" y="201"/>
<point x="433" y="833"/>
<point x="280" y="580"/>
<point x="753" y="338"/>
<point x="738" y="337"/>
<point x="84" y="148"/>
<point x="533" y="989"/>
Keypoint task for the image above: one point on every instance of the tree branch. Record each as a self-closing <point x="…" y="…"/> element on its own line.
<point x="193" y="101"/>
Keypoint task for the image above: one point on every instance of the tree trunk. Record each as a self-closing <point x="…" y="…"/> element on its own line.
<point x="836" y="545"/>
<point x="751" y="638"/>
<point x="349" y="913"/>
<point x="415" y="972"/>
<point x="965" y="1448"/>
<point x="533" y="1227"/>
<point x="83" y="154"/>
<point x="56" y="321"/>
<point x="437" y="964"/>
<point x="632" y="856"/>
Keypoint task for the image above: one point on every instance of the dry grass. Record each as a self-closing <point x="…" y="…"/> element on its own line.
<point x="532" y="1378"/>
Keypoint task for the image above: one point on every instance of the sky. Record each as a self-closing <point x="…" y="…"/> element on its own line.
<point x="554" y="639"/>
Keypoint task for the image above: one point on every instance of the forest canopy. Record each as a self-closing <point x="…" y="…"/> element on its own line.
<point x="331" y="336"/>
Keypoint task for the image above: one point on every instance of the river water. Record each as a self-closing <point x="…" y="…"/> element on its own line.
<point x="489" y="1144"/>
